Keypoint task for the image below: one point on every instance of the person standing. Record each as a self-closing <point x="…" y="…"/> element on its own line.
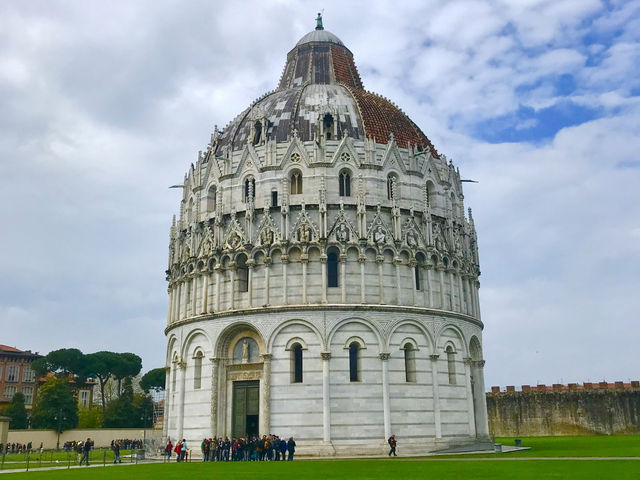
<point x="291" y="447"/>
<point x="85" y="452"/>
<point x="392" y="443"/>
<point x="116" y="452"/>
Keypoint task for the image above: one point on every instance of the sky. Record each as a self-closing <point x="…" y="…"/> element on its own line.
<point x="103" y="105"/>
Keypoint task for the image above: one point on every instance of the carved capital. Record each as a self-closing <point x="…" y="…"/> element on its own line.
<point x="266" y="357"/>
<point x="384" y="356"/>
<point x="467" y="360"/>
<point x="434" y="356"/>
<point x="362" y="259"/>
<point x="325" y="355"/>
<point x="479" y="363"/>
<point x="379" y="259"/>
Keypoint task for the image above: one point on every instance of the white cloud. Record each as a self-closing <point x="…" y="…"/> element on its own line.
<point x="104" y="106"/>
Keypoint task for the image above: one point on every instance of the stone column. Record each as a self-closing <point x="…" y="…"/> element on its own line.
<point x="463" y="300"/>
<point x="343" y="277"/>
<point x="265" y="394"/>
<point x="169" y="310"/>
<point x="167" y="403"/>
<point x="304" y="260"/>
<point x="429" y="287"/>
<point x="250" y="265"/>
<point x="413" y="265"/>
<point x="482" y="420"/>
<point x="232" y="285"/>
<point x="476" y="295"/>
<point x="215" y="368"/>
<point x="470" y="402"/>
<point x="217" y="306"/>
<point x="384" y="357"/>
<point x="194" y="296"/>
<point x="451" y="296"/>
<point x="326" y="397"/>
<point x="205" y="293"/>
<point x="285" y="260"/>
<point x="267" y="269"/>
<point x="442" y="297"/>
<point x="323" y="266"/>
<point x="472" y="307"/>
<point x="181" y="366"/>
<point x="436" y="395"/>
<point x="397" y="262"/>
<point x="363" y="297"/>
<point x="380" y="261"/>
<point x="178" y="301"/>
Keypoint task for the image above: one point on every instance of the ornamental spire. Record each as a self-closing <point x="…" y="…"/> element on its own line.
<point x="319" y="22"/>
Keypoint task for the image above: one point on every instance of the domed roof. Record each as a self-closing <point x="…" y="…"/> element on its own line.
<point x="320" y="36"/>
<point x="320" y="79"/>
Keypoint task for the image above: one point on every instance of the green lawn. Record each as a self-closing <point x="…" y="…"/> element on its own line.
<point x="360" y="469"/>
<point x="442" y="468"/>
<point x="584" y="446"/>
<point x="54" y="459"/>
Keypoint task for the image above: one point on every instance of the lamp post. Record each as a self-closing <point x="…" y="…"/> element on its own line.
<point x="60" y="418"/>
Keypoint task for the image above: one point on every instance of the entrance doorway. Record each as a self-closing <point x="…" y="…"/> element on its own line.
<point x="246" y="405"/>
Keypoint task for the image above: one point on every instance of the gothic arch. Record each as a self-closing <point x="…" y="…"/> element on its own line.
<point x="418" y="325"/>
<point x="295" y="321"/>
<point x="362" y="321"/>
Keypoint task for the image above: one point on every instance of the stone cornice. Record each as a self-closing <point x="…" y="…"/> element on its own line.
<point x="325" y="307"/>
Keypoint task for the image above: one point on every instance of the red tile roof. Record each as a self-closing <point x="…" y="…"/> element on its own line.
<point x="7" y="348"/>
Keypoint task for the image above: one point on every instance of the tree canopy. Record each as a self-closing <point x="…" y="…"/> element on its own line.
<point x="153" y="380"/>
<point x="63" y="362"/>
<point x="17" y="412"/>
<point x="55" y="406"/>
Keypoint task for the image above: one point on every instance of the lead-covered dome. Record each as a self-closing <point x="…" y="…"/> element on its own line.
<point x="320" y="87"/>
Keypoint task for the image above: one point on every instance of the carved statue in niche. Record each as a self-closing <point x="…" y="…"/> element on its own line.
<point x="412" y="239"/>
<point x="437" y="237"/>
<point x="234" y="241"/>
<point x="457" y="242"/>
<point x="304" y="233"/>
<point x="342" y="233"/>
<point x="379" y="235"/>
<point x="245" y="351"/>
<point x="266" y="237"/>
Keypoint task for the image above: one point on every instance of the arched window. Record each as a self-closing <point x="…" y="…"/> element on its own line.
<point x="431" y="194"/>
<point x="211" y="198"/>
<point x="354" y="360"/>
<point x="332" y="268"/>
<point x="345" y="183"/>
<point x="274" y="198"/>
<point x="197" y="370"/>
<point x="249" y="189"/>
<point x="451" y="364"/>
<point x="417" y="272"/>
<point x="296" y="182"/>
<point x="190" y="211"/>
<point x="392" y="187"/>
<point x="327" y="125"/>
<point x="242" y="274"/>
<point x="296" y="363"/>
<point x="257" y="136"/>
<point x="409" y="362"/>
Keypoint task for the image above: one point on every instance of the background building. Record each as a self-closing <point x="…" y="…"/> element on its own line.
<point x="323" y="275"/>
<point x="16" y="375"/>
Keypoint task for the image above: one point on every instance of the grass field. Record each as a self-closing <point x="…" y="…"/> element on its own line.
<point x="514" y="465"/>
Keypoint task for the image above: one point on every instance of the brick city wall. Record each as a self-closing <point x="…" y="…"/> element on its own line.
<point x="573" y="409"/>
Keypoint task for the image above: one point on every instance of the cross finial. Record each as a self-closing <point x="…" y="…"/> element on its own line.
<point x="319" y="22"/>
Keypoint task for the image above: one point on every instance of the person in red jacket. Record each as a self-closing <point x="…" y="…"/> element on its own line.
<point x="178" y="451"/>
<point x="168" y="449"/>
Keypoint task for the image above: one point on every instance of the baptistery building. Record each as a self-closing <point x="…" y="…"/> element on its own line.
<point x="323" y="275"/>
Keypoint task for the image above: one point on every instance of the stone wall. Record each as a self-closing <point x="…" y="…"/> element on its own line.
<point x="589" y="409"/>
<point x="101" y="437"/>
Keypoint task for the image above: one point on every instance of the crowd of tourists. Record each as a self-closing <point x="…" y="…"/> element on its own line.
<point x="18" y="448"/>
<point x="247" y="449"/>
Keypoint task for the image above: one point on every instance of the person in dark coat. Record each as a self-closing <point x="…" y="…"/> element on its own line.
<point x="85" y="452"/>
<point x="392" y="443"/>
<point x="291" y="447"/>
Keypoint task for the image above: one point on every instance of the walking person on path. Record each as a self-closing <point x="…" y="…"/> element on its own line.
<point x="291" y="446"/>
<point x="85" y="452"/>
<point x="392" y="443"/>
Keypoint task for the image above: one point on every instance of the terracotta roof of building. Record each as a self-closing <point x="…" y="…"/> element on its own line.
<point x="7" y="348"/>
